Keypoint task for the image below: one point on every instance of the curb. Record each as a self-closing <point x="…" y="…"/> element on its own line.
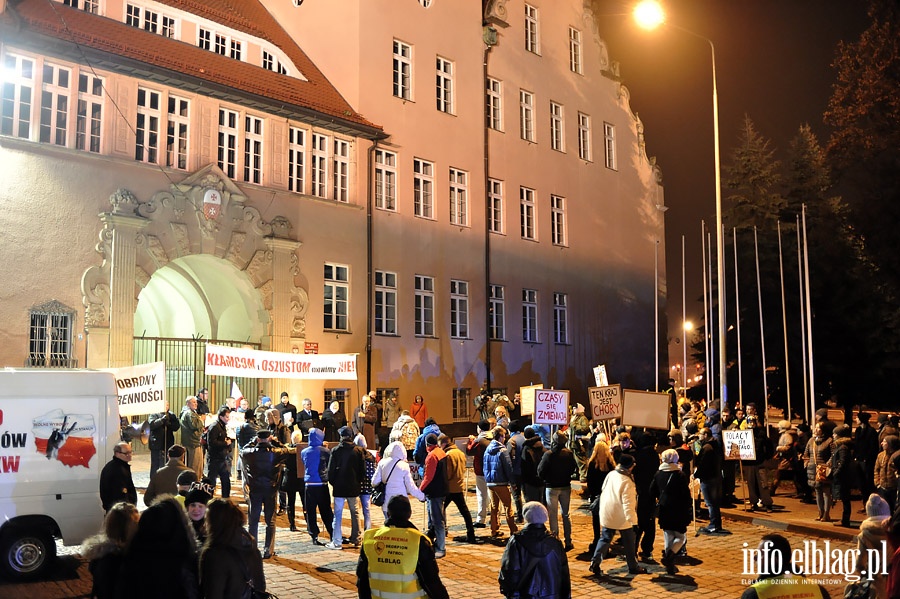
<point x="822" y="530"/>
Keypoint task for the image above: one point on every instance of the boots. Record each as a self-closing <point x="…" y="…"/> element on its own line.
<point x="668" y="561"/>
<point x="290" y="512"/>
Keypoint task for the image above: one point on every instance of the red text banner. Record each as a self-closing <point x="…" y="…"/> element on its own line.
<point x="238" y="361"/>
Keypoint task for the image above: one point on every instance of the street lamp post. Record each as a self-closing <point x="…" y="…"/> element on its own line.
<point x="649" y="15"/>
<point x="688" y="326"/>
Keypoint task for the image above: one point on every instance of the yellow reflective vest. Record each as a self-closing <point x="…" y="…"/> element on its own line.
<point x="392" y="554"/>
<point x="787" y="587"/>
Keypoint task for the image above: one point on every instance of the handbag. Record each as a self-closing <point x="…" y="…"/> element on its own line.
<point x="378" y="493"/>
<point x="860" y="590"/>
<point x="249" y="591"/>
<point x="823" y="471"/>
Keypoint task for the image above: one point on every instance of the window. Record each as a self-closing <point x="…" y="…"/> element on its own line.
<point x="609" y="138"/>
<point x="149" y="20"/>
<point x="220" y="44"/>
<point x="532" y="41"/>
<point x="557" y="139"/>
<point x="529" y="315"/>
<point x="425" y="3"/>
<point x="18" y="90"/>
<point x="204" y="39"/>
<point x="337" y="395"/>
<point x="91" y="6"/>
<point x="584" y="136"/>
<point x="526" y="115"/>
<point x="341" y="173"/>
<point x="54" y="127"/>
<point x="497" y="306"/>
<point x="146" y="148"/>
<point x="337" y="297"/>
<point x="560" y="318"/>
<point x="495" y="203"/>
<point x="424" y="306"/>
<point x="385" y="303"/>
<point x="402" y="70"/>
<point x="385" y="180"/>
<point x="177" y="132"/>
<point x="168" y="27"/>
<point x="271" y="62"/>
<point x="50" y="336"/>
<point x="526" y="212"/>
<point x="297" y="160"/>
<point x="423" y="188"/>
<point x="558" y="220"/>
<point x="444" y="81"/>
<point x="575" y="50"/>
<point x="493" y="115"/>
<point x="458" y="198"/>
<point x="253" y="144"/>
<point x="459" y="309"/>
<point x="89" y="115"/>
<point x="462" y="399"/>
<point x="228" y="140"/>
<point x="319" y="164"/>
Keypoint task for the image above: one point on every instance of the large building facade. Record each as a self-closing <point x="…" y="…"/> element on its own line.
<point x="456" y="191"/>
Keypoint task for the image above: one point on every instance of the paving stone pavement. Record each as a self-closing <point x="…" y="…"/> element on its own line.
<point x="470" y="571"/>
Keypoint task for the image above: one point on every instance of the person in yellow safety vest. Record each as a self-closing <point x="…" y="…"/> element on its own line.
<point x="772" y="561"/>
<point x="397" y="561"/>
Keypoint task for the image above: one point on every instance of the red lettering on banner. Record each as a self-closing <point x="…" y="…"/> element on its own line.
<point x="9" y="464"/>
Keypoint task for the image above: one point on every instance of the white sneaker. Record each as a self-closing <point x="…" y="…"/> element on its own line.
<point x="332" y="545"/>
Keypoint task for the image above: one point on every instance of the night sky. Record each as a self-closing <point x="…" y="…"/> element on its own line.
<point x="773" y="62"/>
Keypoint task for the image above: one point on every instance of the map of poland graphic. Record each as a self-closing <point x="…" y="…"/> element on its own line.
<point x="67" y="438"/>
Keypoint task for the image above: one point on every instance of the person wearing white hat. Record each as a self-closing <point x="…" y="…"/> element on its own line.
<point x="534" y="563"/>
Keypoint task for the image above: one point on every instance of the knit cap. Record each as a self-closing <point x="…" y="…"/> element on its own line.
<point x="877" y="507"/>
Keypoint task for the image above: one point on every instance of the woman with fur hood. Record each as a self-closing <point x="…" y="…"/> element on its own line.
<point x="393" y="469"/>
<point x="872" y="532"/>
<point x="670" y="491"/>
<point x="105" y="550"/>
<point x="842" y="472"/>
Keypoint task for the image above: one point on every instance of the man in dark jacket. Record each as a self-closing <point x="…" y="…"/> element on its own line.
<point x="556" y="469"/>
<point x="534" y="563"/>
<point x="264" y="465"/>
<point x="346" y="470"/>
<point x="434" y="486"/>
<point x="286" y="407"/>
<point x="475" y="448"/>
<point x="218" y="451"/>
<point x="754" y="471"/>
<point x="202" y="401"/>
<point x="866" y="448"/>
<point x="415" y="571"/>
<point x="646" y="464"/>
<point x="843" y="475"/>
<point x="307" y="418"/>
<point x="532" y="453"/>
<point x="315" y="464"/>
<point x="164" y="480"/>
<point x="162" y="436"/>
<point x="515" y="446"/>
<point x="116" y="483"/>
<point x="709" y="473"/>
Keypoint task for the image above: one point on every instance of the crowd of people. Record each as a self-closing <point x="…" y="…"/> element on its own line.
<point x="636" y="482"/>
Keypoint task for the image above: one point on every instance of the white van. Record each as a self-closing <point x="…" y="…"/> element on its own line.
<point x="58" y="428"/>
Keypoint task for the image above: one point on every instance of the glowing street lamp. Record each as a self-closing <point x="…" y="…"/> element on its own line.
<point x="649" y="14"/>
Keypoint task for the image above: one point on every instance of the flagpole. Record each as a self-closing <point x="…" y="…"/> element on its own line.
<point x="683" y="325"/>
<point x="737" y="320"/>
<point x="707" y="328"/>
<point x="809" y="344"/>
<point x="762" y="333"/>
<point x="712" y="343"/>
<point x="800" y="279"/>
<point x="787" y="369"/>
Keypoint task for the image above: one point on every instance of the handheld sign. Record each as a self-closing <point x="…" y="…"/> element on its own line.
<point x="551" y="406"/>
<point x="739" y="445"/>
<point x="646" y="409"/>
<point x="526" y="399"/>
<point x="606" y="402"/>
<point x="600" y="375"/>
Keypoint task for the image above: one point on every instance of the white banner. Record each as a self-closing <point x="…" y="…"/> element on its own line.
<point x="739" y="445"/>
<point x="551" y="407"/>
<point x="142" y="388"/>
<point x="238" y="361"/>
<point x="606" y="402"/>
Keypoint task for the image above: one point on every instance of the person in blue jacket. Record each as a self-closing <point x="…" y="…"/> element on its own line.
<point x="315" y="463"/>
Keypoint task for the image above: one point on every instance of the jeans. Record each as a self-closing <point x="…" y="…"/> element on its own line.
<point x="500" y="496"/>
<point x="481" y="494"/>
<point x="352" y="502"/>
<point x="515" y="487"/>
<point x="606" y="537"/>
<point x="259" y="500"/>
<point x="318" y="497"/>
<point x="365" y="501"/>
<point x="459" y="500"/>
<point x="436" y="521"/>
<point x="712" y="495"/>
<point x="220" y="468"/>
<point x="559" y="498"/>
<point x="534" y="493"/>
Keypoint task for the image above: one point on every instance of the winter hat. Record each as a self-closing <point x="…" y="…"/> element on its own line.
<point x="283" y="394"/>
<point x="199" y="493"/>
<point x="626" y="460"/>
<point x="186" y="477"/>
<point x="360" y="441"/>
<point x="876" y="507"/>
<point x="579" y="409"/>
<point x="263" y="433"/>
<point x="346" y="432"/>
<point x="431" y="439"/>
<point x="534" y="513"/>
<point x="266" y="400"/>
<point x="784" y="425"/>
<point x="842" y="431"/>
<point x="822" y="413"/>
<point x="669" y="456"/>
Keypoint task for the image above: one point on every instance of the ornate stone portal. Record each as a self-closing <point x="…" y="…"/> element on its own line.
<point x="204" y="214"/>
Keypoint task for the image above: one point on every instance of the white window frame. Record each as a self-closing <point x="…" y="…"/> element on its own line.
<point x="532" y="30"/>
<point x="423" y="188"/>
<point x="227" y="145"/>
<point x="530" y="316"/>
<point x="497" y="305"/>
<point x="385" y="180"/>
<point x="147" y="125"/>
<point x="424" y="306"/>
<point x="560" y="318"/>
<point x="444" y="84"/>
<point x="557" y="127"/>
<point x="459" y="309"/>
<point x="55" y="105"/>
<point x="402" y="70"/>
<point x="89" y="113"/>
<point x="271" y="62"/>
<point x="50" y="335"/>
<point x="526" y="115"/>
<point x="297" y="150"/>
<point x="220" y="43"/>
<point x="527" y="223"/>
<point x="178" y="129"/>
<point x="558" y="225"/>
<point x="91" y="6"/>
<point x="318" y="180"/>
<point x="494" y="104"/>
<point x="609" y="144"/>
<point x="459" y="197"/>
<point x="385" y="303"/>
<point x="254" y="137"/>
<point x="336" y="297"/>
<point x="576" y="51"/>
<point x="584" y="136"/>
<point x="340" y="188"/>
<point x="495" y="206"/>
<point x="19" y="85"/>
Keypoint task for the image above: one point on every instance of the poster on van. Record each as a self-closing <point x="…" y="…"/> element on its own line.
<point x="141" y="388"/>
<point x="67" y="438"/>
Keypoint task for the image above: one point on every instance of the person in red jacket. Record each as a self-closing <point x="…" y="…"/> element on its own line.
<point x="435" y="487"/>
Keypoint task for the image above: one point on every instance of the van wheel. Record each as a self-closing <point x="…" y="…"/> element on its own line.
<point x="26" y="554"/>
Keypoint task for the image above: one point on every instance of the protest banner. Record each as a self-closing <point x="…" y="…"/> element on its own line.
<point x="142" y="388"/>
<point x="526" y="399"/>
<point x="551" y="406"/>
<point x="245" y="362"/>
<point x="739" y="444"/>
<point x="606" y="402"/>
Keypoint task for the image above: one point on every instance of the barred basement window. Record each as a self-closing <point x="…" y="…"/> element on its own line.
<point x="50" y="336"/>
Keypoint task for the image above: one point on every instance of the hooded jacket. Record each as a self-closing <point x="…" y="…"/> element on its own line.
<point x="549" y="578"/>
<point x="315" y="459"/>
<point x="398" y="482"/>
<point x="557" y="466"/>
<point x="533" y="452"/>
<point x="264" y="465"/>
<point x="618" y="501"/>
<point x="346" y="469"/>
<point x="421" y="451"/>
<point x="497" y="465"/>
<point x="406" y="431"/>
